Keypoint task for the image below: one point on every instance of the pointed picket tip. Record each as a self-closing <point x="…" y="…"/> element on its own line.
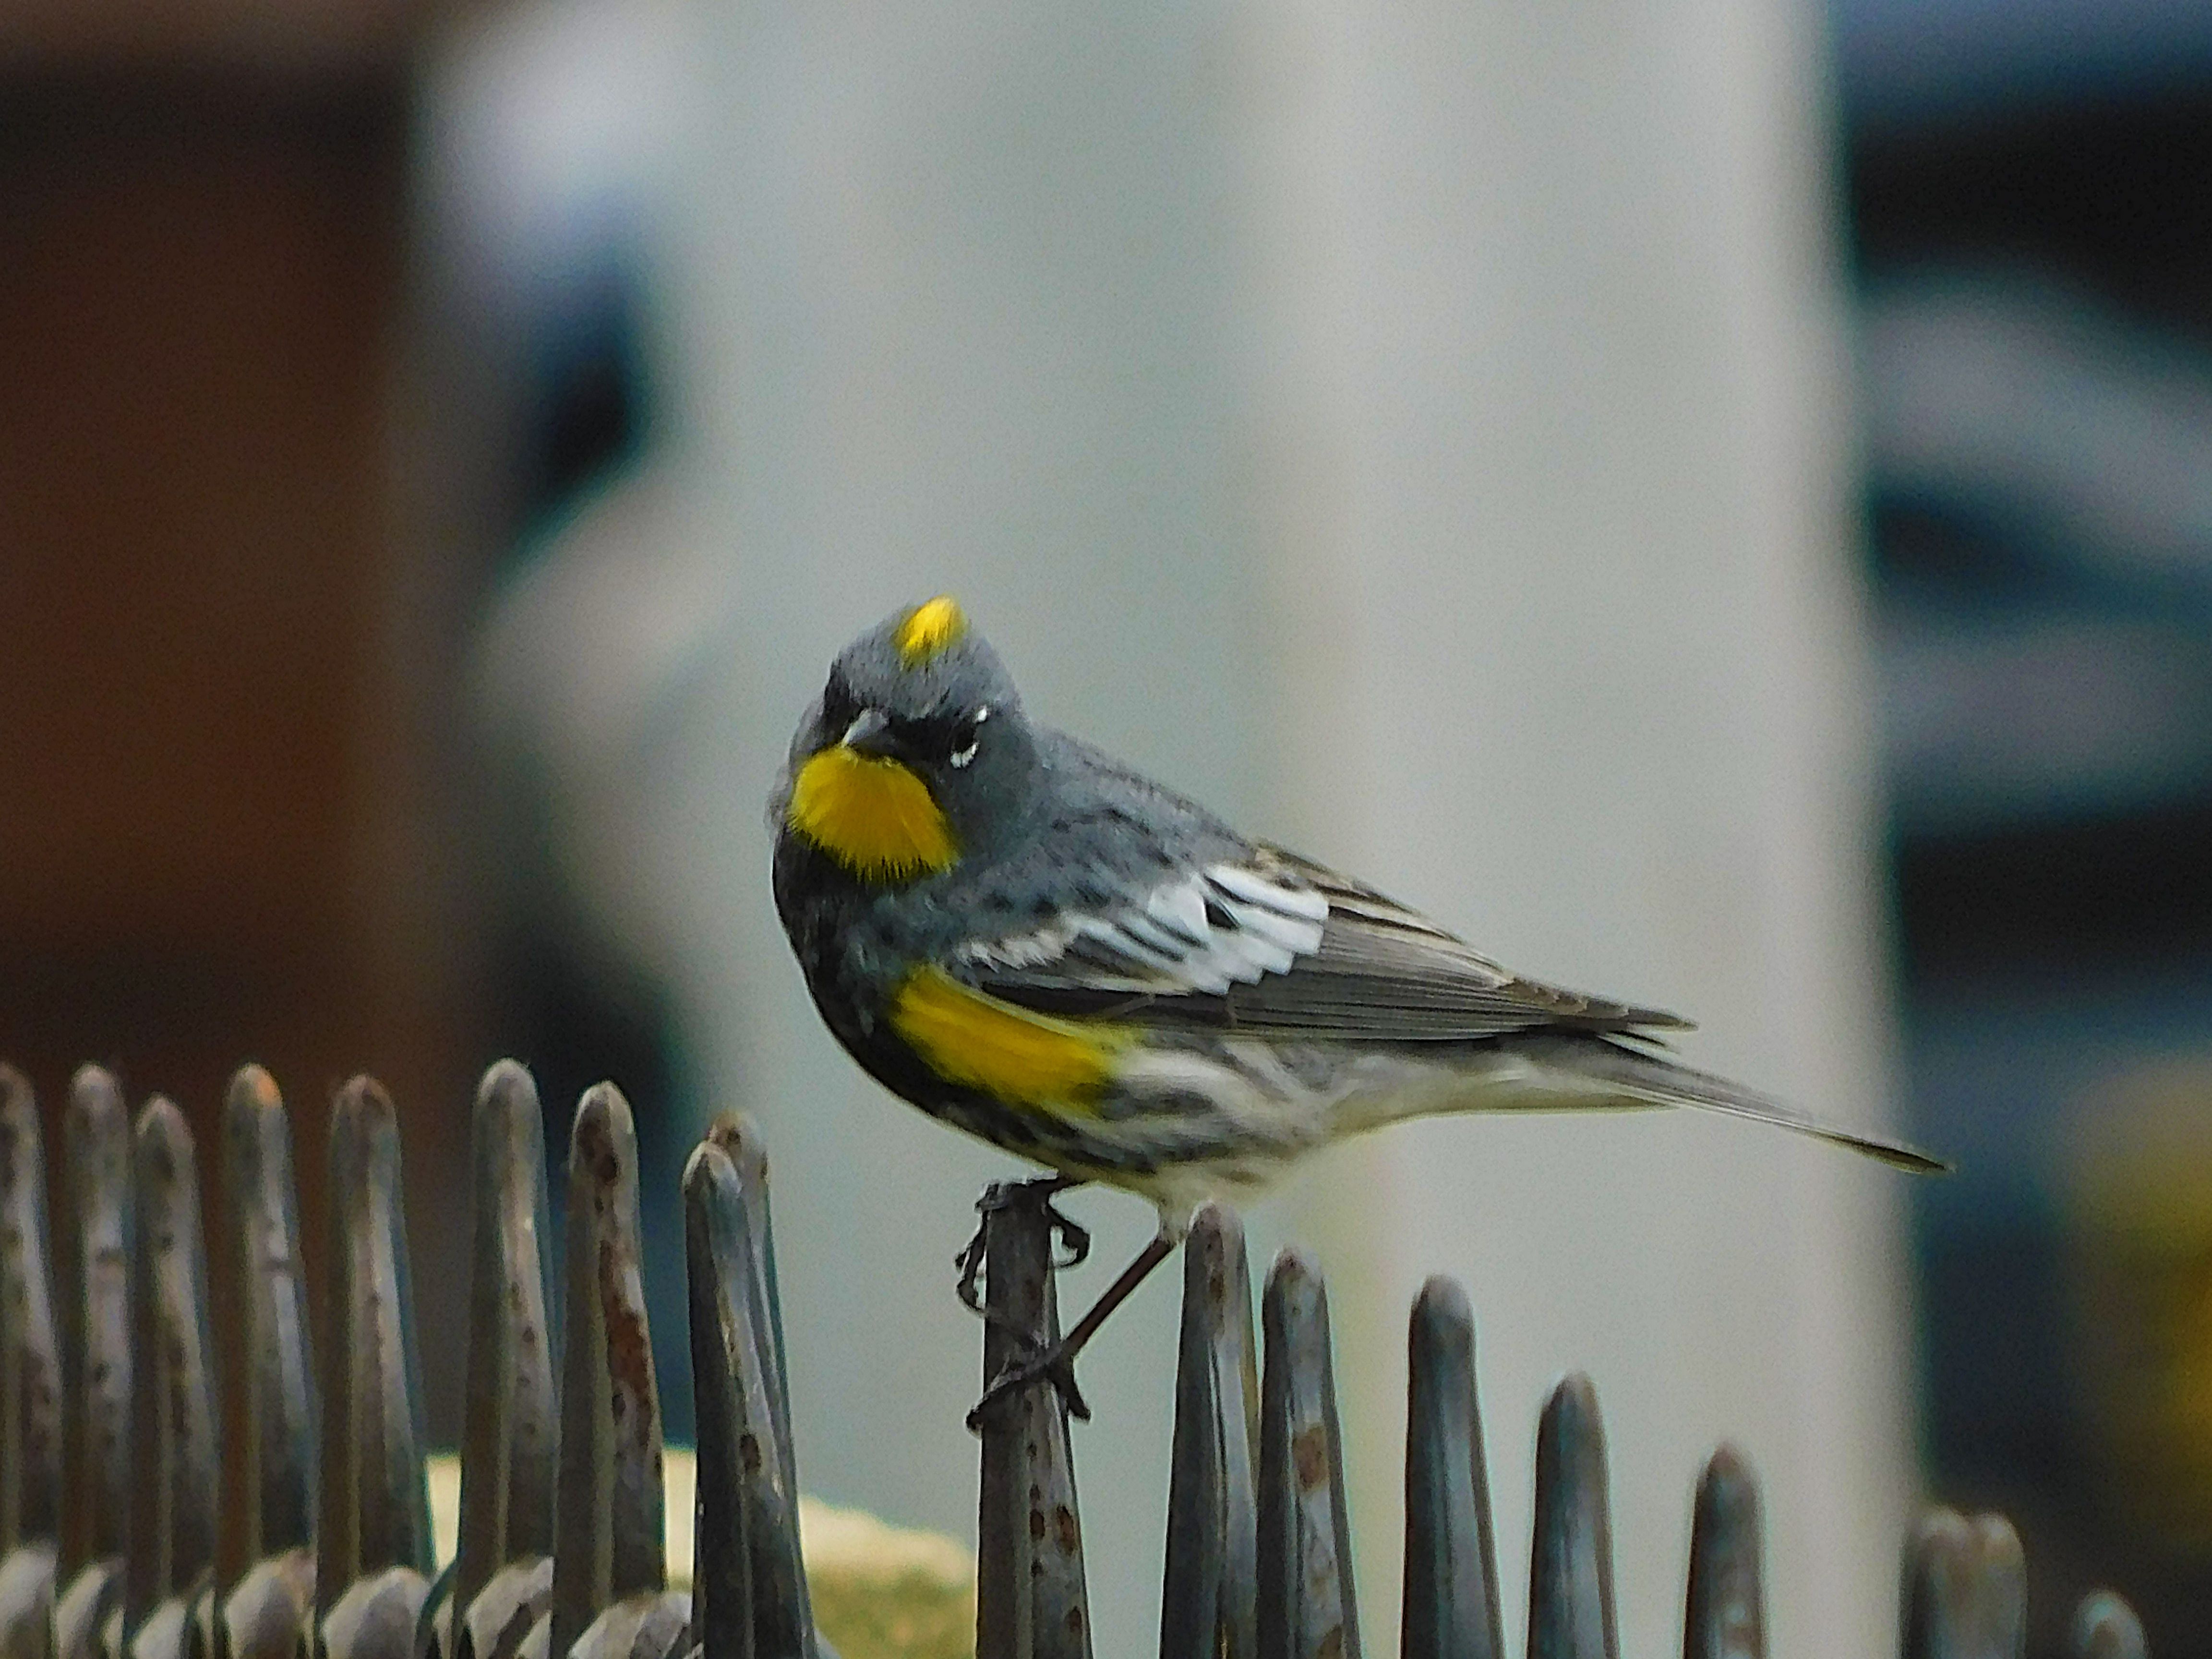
<point x="96" y="1140"/>
<point x="378" y="1616"/>
<point x="2105" y="1627"/>
<point x="1965" y="1588"/>
<point x="173" y="1452"/>
<point x="1450" y="1608"/>
<point x="96" y="1156"/>
<point x="1725" y="1612"/>
<point x="375" y="1507"/>
<point x="739" y="1140"/>
<point x="1209" y="1599"/>
<point x="26" y="1602"/>
<point x="650" y="1625"/>
<point x="607" y="1530"/>
<point x="1306" y="1602"/>
<point x="30" y="1352"/>
<point x="495" y="1622"/>
<point x="1571" y="1607"/>
<point x="510" y="1435"/>
<point x="749" y="1582"/>
<point x="267" y="1612"/>
<point x="275" y="1356"/>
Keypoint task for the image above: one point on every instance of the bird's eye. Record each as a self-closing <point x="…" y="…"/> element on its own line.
<point x="970" y="734"/>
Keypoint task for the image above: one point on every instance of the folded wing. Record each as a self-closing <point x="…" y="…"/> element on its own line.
<point x="1273" y="943"/>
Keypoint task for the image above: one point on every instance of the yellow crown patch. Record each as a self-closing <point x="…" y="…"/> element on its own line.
<point x="929" y="629"/>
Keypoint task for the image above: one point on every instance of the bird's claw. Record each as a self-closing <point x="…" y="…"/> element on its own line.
<point x="1054" y="1364"/>
<point x="1051" y="1365"/>
<point x="1074" y="1239"/>
<point x="969" y="1262"/>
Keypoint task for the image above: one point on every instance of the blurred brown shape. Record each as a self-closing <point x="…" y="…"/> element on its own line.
<point x="192" y="300"/>
<point x="220" y="833"/>
<point x="294" y="37"/>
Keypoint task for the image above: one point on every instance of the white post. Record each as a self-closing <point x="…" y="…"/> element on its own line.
<point x="1416" y="432"/>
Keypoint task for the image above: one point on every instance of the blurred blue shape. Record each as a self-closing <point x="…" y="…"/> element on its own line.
<point x="2001" y="1067"/>
<point x="2044" y="472"/>
<point x="1993" y="718"/>
<point x="2079" y="437"/>
<point x="1901" y="62"/>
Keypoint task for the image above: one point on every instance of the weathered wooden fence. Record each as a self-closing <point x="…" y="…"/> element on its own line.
<point x="119" y="1540"/>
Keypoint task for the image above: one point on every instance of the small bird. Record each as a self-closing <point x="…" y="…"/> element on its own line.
<point x="1033" y="942"/>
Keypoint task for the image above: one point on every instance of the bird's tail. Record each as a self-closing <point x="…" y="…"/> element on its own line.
<point x="1593" y="1071"/>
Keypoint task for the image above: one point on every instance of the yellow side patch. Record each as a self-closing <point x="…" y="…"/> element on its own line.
<point x="929" y="629"/>
<point x="1024" y="1059"/>
<point x="874" y="817"/>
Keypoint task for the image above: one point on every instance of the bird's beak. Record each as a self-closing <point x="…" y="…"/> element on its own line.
<point x="870" y="735"/>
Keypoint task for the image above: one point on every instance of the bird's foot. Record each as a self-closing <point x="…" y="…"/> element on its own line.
<point x="1074" y="1240"/>
<point x="1054" y="1365"/>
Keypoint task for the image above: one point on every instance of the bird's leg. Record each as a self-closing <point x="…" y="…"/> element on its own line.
<point x="1004" y="1195"/>
<point x="1058" y="1362"/>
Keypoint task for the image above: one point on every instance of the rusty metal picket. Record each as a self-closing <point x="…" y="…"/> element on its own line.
<point x="1258" y="1555"/>
<point x="115" y="1542"/>
<point x="31" y="1388"/>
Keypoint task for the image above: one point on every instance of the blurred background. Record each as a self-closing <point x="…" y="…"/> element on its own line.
<point x="1712" y="501"/>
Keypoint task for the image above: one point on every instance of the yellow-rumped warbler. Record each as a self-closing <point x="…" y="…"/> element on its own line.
<point x="1026" y="938"/>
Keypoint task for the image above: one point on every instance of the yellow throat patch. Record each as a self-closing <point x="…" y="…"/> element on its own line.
<point x="874" y="817"/>
<point x="930" y="628"/>
<point x="1028" y="1060"/>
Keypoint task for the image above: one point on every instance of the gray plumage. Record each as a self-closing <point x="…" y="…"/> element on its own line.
<point x="1280" y="1005"/>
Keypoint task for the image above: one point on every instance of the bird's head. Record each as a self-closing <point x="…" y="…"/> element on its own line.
<point x="916" y="753"/>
